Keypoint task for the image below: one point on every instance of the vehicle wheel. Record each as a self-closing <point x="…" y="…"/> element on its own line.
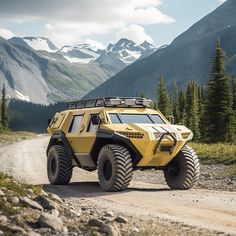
<point x="114" y="168"/>
<point x="59" y="165"/>
<point x="184" y="170"/>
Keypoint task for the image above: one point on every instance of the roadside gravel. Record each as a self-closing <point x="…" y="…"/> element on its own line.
<point x="213" y="177"/>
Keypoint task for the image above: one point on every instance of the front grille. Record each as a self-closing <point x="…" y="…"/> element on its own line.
<point x="132" y="135"/>
<point x="166" y="148"/>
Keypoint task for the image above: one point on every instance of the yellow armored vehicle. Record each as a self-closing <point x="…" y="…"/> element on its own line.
<point x="117" y="136"/>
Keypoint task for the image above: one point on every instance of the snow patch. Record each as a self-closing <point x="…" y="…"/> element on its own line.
<point x="39" y="44"/>
<point x="78" y="60"/>
<point x="134" y="54"/>
<point x="21" y="96"/>
<point x="50" y="58"/>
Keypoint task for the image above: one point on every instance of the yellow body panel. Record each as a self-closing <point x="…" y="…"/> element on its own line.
<point x="143" y="136"/>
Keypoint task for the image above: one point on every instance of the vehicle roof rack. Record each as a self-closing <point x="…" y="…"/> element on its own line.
<point x="135" y="102"/>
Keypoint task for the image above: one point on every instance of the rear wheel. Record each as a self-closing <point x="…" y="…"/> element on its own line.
<point x="114" y="168"/>
<point x="184" y="170"/>
<point x="59" y="165"/>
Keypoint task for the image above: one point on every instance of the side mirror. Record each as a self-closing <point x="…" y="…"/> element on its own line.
<point x="95" y="119"/>
<point x="171" y="119"/>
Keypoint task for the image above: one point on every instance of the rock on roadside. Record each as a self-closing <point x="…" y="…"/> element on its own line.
<point x="50" y="221"/>
<point x="121" y="219"/>
<point x="46" y="203"/>
<point x="30" y="203"/>
<point x="111" y="230"/>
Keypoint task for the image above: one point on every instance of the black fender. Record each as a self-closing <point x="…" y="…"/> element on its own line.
<point x="105" y="137"/>
<point x="60" y="137"/>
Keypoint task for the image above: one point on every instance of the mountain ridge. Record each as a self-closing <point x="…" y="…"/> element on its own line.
<point x="34" y="71"/>
<point x="188" y="57"/>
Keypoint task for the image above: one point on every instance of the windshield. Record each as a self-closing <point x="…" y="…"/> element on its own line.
<point x="122" y="118"/>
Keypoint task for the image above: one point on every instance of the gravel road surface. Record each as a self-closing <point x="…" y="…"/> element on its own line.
<point x="207" y="209"/>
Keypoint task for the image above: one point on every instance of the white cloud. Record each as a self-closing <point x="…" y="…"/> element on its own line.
<point x="95" y="43"/>
<point x="135" y="33"/>
<point x="72" y="33"/>
<point x="5" y="33"/>
<point x="71" y="21"/>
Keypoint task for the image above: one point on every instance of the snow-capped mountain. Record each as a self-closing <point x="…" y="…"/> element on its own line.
<point x="126" y="51"/>
<point x="83" y="53"/>
<point x="40" y="43"/>
<point x="37" y="43"/>
<point x="35" y="70"/>
<point x="43" y="77"/>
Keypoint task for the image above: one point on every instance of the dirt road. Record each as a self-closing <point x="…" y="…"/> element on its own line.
<point x="213" y="210"/>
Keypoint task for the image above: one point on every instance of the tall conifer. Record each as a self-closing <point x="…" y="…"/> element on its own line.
<point x="4" y="110"/>
<point x="218" y="114"/>
<point x="164" y="104"/>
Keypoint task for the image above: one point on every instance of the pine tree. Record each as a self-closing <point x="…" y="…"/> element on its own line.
<point x="201" y="95"/>
<point x="175" y="92"/>
<point x="175" y="107"/>
<point x="5" y="119"/>
<point x="181" y="107"/>
<point x="218" y="112"/>
<point x="192" y="108"/>
<point x="234" y="93"/>
<point x="164" y="104"/>
<point x="154" y="105"/>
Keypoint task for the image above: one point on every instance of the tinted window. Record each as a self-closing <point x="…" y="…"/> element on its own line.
<point x="157" y="119"/>
<point x="75" y="124"/>
<point x="114" y="119"/>
<point x="135" y="118"/>
<point x="91" y="127"/>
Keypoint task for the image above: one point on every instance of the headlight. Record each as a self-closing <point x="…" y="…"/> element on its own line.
<point x="185" y="135"/>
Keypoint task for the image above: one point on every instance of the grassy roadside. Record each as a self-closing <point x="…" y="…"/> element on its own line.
<point x="10" y="188"/>
<point x="217" y="154"/>
<point x="9" y="137"/>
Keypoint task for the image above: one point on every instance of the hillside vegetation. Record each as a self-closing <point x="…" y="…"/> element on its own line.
<point x="217" y="153"/>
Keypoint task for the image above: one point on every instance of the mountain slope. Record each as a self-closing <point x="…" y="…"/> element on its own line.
<point x="42" y="77"/>
<point x="187" y="58"/>
<point x="34" y="70"/>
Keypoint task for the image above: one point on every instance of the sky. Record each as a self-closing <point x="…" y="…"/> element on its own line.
<point x="100" y="22"/>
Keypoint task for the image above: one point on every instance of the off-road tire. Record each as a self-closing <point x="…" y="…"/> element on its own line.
<point x="114" y="168"/>
<point x="59" y="166"/>
<point x="184" y="170"/>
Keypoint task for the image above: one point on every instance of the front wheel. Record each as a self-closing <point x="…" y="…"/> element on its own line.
<point x="184" y="170"/>
<point x="114" y="168"/>
<point x="59" y="165"/>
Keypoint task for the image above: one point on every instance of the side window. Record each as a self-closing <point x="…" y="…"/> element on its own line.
<point x="157" y="119"/>
<point x="91" y="127"/>
<point x="114" y="118"/>
<point x="74" y="126"/>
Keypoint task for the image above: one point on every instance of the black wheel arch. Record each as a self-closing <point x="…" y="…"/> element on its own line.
<point x="59" y="138"/>
<point x="105" y="137"/>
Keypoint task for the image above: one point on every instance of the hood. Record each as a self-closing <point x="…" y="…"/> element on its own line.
<point x="153" y="130"/>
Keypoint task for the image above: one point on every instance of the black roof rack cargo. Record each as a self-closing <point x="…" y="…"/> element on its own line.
<point x="110" y="102"/>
